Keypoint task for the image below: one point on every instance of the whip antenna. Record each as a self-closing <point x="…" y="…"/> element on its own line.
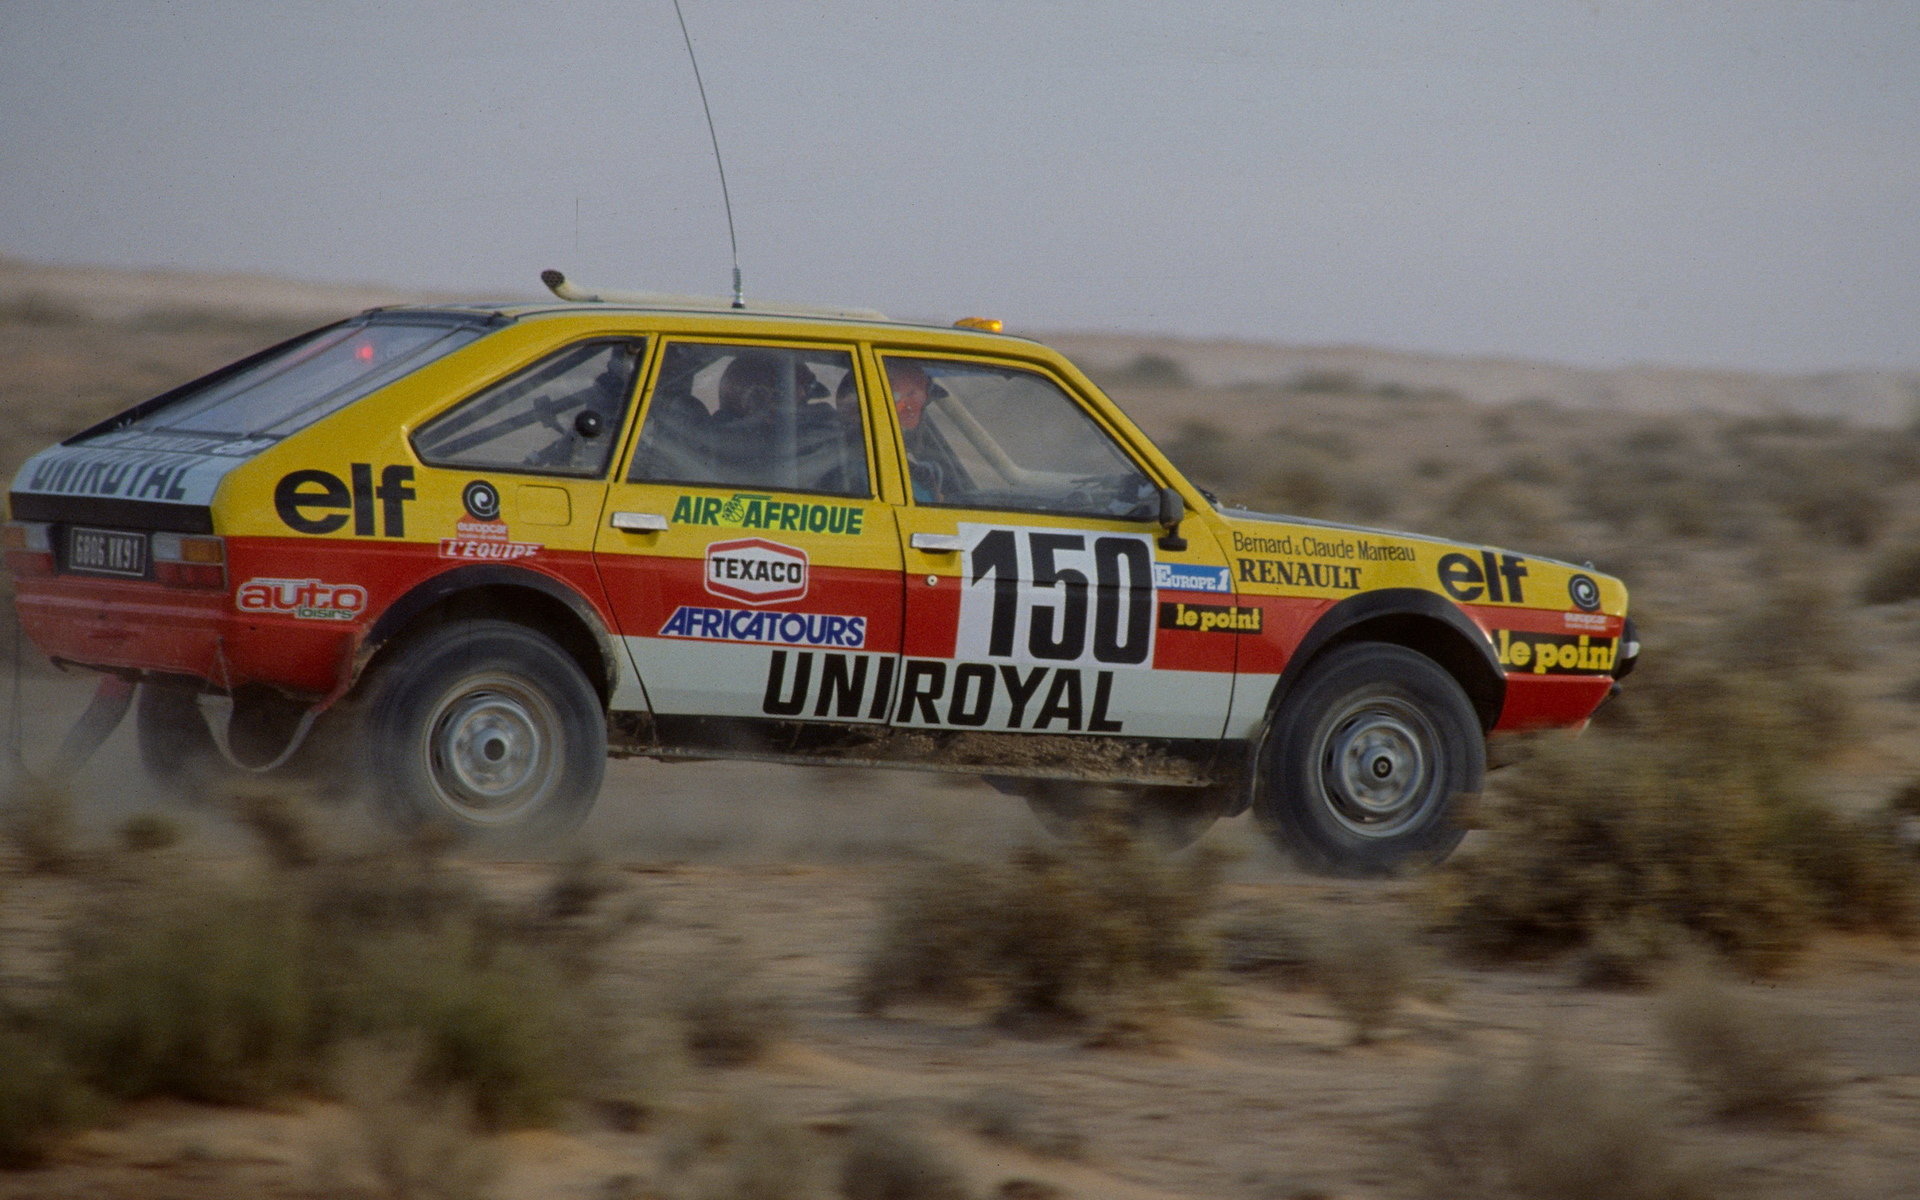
<point x="739" y="297"/>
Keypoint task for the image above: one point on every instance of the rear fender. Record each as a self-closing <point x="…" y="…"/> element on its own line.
<point x="490" y="588"/>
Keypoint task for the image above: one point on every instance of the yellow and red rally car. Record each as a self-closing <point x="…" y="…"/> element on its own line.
<point x="472" y="549"/>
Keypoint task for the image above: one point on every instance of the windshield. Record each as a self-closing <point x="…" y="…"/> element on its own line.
<point x="313" y="378"/>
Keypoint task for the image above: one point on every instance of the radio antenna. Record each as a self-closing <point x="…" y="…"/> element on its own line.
<point x="739" y="297"/>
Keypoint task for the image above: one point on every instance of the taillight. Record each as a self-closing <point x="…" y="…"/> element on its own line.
<point x="190" y="560"/>
<point x="29" y="548"/>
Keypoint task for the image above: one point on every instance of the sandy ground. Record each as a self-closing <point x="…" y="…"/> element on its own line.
<point x="789" y="868"/>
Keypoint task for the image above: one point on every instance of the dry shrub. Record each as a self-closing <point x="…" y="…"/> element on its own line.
<point x="281" y="825"/>
<point x="491" y="1018"/>
<point x="727" y="1018"/>
<point x="145" y="833"/>
<point x="1366" y="967"/>
<point x="1060" y="932"/>
<point x="1611" y="832"/>
<point x="204" y="994"/>
<point x="1892" y="577"/>
<point x="1750" y="1055"/>
<point x="1826" y="494"/>
<point x="41" y="1097"/>
<point x="1688" y="815"/>
<point x="1500" y="511"/>
<point x="1549" y="1131"/>
<point x="409" y="1141"/>
<point x="1267" y="940"/>
<point x="736" y="1150"/>
<point x="239" y="992"/>
<point x="1206" y="453"/>
<point x="36" y="818"/>
<point x="1015" y="1118"/>
<point x="887" y="1159"/>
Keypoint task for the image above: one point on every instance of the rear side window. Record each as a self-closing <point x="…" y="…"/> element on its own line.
<point x="558" y="417"/>
<point x="314" y="378"/>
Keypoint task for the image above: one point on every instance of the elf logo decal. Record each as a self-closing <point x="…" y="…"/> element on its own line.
<point x="1555" y="654"/>
<point x="320" y="501"/>
<point x="935" y="692"/>
<point x="1496" y="578"/>
<point x="1212" y="618"/>
<point x="767" y="628"/>
<point x="305" y="599"/>
<point x="756" y="571"/>
<point x="1050" y="595"/>
<point x="747" y="510"/>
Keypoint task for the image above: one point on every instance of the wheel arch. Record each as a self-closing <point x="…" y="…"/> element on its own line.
<point x="1418" y="620"/>
<point x="523" y="597"/>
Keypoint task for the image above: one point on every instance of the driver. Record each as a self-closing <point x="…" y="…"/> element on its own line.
<point x="911" y="388"/>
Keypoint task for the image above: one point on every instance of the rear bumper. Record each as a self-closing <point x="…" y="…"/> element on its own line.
<point x="148" y="627"/>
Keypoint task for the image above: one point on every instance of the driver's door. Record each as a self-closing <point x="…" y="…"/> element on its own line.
<point x="1032" y="557"/>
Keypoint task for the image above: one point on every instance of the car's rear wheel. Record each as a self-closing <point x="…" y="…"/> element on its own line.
<point x="1365" y="762"/>
<point x="487" y="728"/>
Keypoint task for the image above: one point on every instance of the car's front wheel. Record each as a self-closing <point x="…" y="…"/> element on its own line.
<point x="1363" y="767"/>
<point x="487" y="728"/>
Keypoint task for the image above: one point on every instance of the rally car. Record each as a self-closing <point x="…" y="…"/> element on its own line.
<point x="467" y="551"/>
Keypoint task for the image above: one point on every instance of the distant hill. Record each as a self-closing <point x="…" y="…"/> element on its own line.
<point x="1866" y="397"/>
<point x="1134" y="362"/>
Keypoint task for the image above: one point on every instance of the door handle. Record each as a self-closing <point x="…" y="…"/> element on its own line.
<point x="638" y="522"/>
<point x="936" y="543"/>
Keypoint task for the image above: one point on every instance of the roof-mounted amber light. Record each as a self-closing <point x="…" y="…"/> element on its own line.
<point x="983" y="324"/>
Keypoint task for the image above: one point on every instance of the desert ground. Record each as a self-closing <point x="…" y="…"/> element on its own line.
<point x="1335" y="1039"/>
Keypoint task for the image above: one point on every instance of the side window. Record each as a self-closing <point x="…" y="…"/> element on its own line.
<point x="980" y="436"/>
<point x="560" y="416"/>
<point x="754" y="416"/>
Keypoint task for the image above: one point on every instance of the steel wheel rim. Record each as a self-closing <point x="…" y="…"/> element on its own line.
<point x="492" y="750"/>
<point x="1380" y="766"/>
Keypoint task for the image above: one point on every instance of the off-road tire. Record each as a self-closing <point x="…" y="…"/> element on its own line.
<point x="1364" y="764"/>
<point x="485" y="728"/>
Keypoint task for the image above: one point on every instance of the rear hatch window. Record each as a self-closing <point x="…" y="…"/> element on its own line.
<point x="157" y="465"/>
<point x="288" y="389"/>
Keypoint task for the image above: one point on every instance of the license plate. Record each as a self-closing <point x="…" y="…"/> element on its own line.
<point x="107" y="552"/>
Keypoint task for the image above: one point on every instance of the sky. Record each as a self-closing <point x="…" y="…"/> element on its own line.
<point x="1726" y="183"/>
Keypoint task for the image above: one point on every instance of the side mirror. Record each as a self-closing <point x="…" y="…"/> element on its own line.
<point x="1173" y="510"/>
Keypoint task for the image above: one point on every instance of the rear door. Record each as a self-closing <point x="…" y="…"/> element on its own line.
<point x="752" y="571"/>
<point x="1039" y="596"/>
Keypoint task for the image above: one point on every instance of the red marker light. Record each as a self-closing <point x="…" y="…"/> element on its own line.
<point x="365" y="352"/>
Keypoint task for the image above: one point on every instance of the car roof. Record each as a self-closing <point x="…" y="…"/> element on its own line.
<point x="799" y="321"/>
